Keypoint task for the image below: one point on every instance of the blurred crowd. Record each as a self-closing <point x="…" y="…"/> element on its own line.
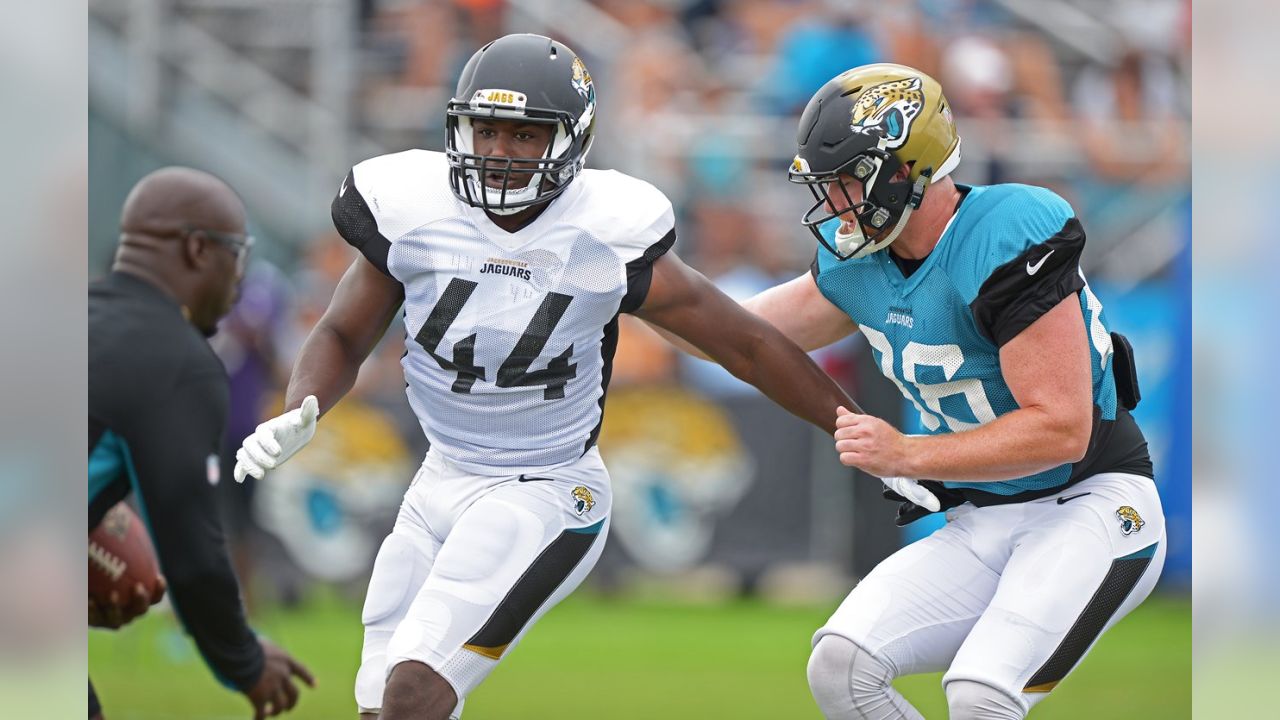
<point x="701" y="98"/>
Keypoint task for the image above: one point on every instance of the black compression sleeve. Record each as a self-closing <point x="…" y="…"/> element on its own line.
<point x="354" y="221"/>
<point x="640" y="272"/>
<point x="1018" y="292"/>
<point x="170" y="448"/>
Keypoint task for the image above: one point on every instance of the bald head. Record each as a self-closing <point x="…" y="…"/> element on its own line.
<point x="174" y="232"/>
<point x="173" y="198"/>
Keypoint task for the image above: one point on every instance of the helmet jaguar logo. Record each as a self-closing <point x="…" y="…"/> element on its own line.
<point x="582" y="80"/>
<point x="1130" y="521"/>
<point x="582" y="500"/>
<point x="888" y="109"/>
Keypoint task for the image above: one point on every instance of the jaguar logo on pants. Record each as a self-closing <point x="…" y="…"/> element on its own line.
<point x="1130" y="521"/>
<point x="582" y="500"/>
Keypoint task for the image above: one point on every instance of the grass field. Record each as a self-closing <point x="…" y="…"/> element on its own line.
<point x="628" y="659"/>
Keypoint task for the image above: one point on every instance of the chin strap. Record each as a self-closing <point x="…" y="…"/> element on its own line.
<point x="494" y="195"/>
<point x="857" y="243"/>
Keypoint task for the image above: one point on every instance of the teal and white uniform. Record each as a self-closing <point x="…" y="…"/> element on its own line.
<point x="1009" y="254"/>
<point x="1027" y="573"/>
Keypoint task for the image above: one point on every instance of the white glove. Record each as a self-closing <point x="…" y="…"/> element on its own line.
<point x="909" y="489"/>
<point x="276" y="440"/>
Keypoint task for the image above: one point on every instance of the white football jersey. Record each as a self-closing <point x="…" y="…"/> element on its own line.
<point x="510" y="336"/>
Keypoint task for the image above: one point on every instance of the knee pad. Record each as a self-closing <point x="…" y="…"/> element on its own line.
<point x="971" y="700"/>
<point x="392" y="584"/>
<point x="849" y="682"/>
<point x="371" y="680"/>
<point x="838" y="666"/>
<point x="391" y="589"/>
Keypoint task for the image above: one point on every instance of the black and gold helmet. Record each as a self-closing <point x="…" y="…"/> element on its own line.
<point x="867" y="123"/>
<point x="529" y="78"/>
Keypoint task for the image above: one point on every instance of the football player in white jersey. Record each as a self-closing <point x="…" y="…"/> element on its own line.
<point x="512" y="264"/>
<point x="973" y="303"/>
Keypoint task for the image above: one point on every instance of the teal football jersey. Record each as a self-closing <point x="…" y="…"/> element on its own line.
<point x="1009" y="254"/>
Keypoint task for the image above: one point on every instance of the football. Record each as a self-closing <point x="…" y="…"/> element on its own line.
<point x="121" y="555"/>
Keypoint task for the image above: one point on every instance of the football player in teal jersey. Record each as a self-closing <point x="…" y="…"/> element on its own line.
<point x="974" y="305"/>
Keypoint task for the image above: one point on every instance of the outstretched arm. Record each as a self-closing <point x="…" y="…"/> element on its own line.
<point x="798" y="310"/>
<point x="363" y="304"/>
<point x="682" y="301"/>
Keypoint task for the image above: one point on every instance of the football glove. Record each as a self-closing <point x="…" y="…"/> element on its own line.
<point x="912" y="491"/>
<point x="276" y="440"/>
<point x="909" y="512"/>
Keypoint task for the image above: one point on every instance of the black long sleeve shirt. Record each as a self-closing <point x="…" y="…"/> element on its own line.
<point x="158" y="400"/>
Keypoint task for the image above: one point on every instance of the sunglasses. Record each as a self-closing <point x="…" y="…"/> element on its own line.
<point x="239" y="245"/>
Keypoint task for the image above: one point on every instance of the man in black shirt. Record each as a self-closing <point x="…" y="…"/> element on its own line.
<point x="158" y="401"/>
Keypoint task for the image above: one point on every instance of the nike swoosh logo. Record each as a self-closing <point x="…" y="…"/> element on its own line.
<point x="530" y="478"/>
<point x="1033" y="269"/>
<point x="343" y="191"/>
<point x="1069" y="498"/>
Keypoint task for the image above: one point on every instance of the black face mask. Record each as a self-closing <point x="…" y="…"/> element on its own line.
<point x="883" y="202"/>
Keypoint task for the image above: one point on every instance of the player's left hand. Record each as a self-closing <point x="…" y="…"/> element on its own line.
<point x="871" y="445"/>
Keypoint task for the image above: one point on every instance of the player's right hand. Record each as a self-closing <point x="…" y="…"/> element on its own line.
<point x="275" y="693"/>
<point x="276" y="440"/>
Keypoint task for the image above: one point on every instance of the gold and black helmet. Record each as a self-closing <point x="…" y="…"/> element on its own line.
<point x="867" y="123"/>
